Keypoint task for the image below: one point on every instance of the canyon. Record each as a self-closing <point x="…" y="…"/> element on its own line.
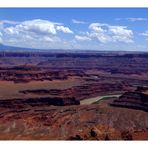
<point x="73" y="96"/>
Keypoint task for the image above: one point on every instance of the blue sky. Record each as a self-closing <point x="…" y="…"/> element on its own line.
<point x="75" y="28"/>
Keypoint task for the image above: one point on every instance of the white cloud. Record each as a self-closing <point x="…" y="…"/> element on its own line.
<point x="78" y="22"/>
<point x="82" y="38"/>
<point x="38" y="27"/>
<point x="137" y="19"/>
<point x="45" y="34"/>
<point x="11" y="31"/>
<point x="97" y="27"/>
<point x="48" y="39"/>
<point x="64" y="29"/>
<point x="1" y="40"/>
<point x="133" y="19"/>
<point x="9" y="22"/>
<point x="121" y="34"/>
<point x="34" y="33"/>
<point x="1" y="34"/>
<point x="145" y="33"/>
<point x="103" y="38"/>
<point x="107" y="33"/>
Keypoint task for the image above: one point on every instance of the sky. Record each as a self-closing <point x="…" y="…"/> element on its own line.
<point x="124" y="29"/>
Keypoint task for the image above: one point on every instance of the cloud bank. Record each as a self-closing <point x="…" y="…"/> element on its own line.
<point x="45" y="34"/>
<point x="105" y="33"/>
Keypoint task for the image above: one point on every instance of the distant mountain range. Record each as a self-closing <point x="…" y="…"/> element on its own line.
<point x="13" y="48"/>
<point x="6" y="48"/>
<point x="22" y="49"/>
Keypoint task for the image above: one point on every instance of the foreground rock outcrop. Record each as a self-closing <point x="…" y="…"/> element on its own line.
<point x="87" y="122"/>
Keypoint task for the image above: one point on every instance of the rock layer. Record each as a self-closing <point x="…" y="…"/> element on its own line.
<point x="43" y="101"/>
<point x="134" y="100"/>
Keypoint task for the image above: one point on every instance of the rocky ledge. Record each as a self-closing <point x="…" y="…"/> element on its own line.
<point x="134" y="100"/>
<point x="43" y="101"/>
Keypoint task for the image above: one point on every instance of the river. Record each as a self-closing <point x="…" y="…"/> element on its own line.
<point x="94" y="99"/>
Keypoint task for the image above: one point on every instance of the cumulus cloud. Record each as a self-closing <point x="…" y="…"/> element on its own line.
<point x="82" y="38"/>
<point x="33" y="33"/>
<point x="9" y="22"/>
<point x="40" y="33"/>
<point x="97" y="27"/>
<point x="107" y="33"/>
<point x="64" y="29"/>
<point x="37" y="26"/>
<point x="78" y="22"/>
<point x="121" y="34"/>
